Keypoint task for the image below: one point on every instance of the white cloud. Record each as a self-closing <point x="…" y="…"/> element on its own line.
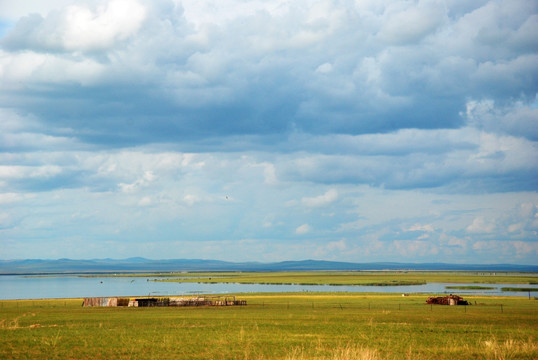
<point x="147" y="178"/>
<point x="145" y="201"/>
<point x="269" y="173"/>
<point x="303" y="229"/>
<point x="18" y="9"/>
<point x="79" y="27"/>
<point x="525" y="249"/>
<point x="419" y="158"/>
<point x="20" y="172"/>
<point x="516" y="250"/>
<point x="324" y="68"/>
<point x="8" y="198"/>
<point x="88" y="30"/>
<point x="418" y="227"/>
<point x="522" y="220"/>
<point x="190" y="199"/>
<point x="48" y="68"/>
<point x="413" y="248"/>
<point x="481" y="225"/>
<point x="322" y="200"/>
<point x="516" y="118"/>
<point x="410" y="23"/>
<point x="339" y="245"/>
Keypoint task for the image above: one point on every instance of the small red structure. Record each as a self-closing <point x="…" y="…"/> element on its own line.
<point x="447" y="300"/>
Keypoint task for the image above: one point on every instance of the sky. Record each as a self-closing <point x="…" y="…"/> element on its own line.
<point x="239" y="130"/>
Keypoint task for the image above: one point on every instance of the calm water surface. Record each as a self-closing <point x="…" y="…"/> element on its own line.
<point x="50" y="287"/>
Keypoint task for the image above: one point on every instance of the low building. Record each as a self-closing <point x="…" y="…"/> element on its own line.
<point x="446" y="300"/>
<point x="165" y="301"/>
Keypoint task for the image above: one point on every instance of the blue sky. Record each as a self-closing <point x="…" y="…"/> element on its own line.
<point x="270" y="130"/>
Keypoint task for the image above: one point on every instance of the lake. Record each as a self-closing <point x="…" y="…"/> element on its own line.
<point x="50" y="287"/>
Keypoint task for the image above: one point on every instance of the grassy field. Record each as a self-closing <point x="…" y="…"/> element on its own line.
<point x="379" y="278"/>
<point x="275" y="326"/>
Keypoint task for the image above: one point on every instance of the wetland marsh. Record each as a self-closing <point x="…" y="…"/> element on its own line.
<point x="300" y="325"/>
<point x="170" y="284"/>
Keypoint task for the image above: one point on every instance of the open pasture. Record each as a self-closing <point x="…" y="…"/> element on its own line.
<point x="275" y="326"/>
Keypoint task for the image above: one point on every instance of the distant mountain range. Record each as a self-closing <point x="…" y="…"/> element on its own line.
<point x="65" y="266"/>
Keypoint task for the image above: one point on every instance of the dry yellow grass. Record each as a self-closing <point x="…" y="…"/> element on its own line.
<point x="509" y="349"/>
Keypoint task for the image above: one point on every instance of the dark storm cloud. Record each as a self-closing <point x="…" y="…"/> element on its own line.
<point x="164" y="76"/>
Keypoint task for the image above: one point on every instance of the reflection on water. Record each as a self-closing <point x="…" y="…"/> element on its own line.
<point x="44" y="287"/>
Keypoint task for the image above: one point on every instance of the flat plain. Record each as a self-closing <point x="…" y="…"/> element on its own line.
<point x="275" y="326"/>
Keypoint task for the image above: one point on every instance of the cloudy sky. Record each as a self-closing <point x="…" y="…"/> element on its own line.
<point x="366" y="130"/>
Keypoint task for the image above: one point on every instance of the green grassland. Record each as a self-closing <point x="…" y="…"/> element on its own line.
<point x="380" y="278"/>
<point x="472" y="287"/>
<point x="275" y="326"/>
